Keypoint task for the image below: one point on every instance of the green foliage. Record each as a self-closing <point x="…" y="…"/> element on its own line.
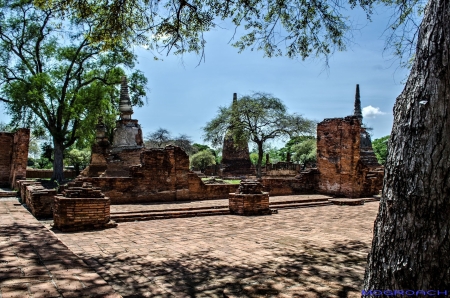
<point x="380" y="147"/>
<point x="57" y="79"/>
<point x="77" y="158"/>
<point x="305" y="28"/>
<point x="305" y="151"/>
<point x="43" y="163"/>
<point x="202" y="159"/>
<point x="47" y="151"/>
<point x="258" y="118"/>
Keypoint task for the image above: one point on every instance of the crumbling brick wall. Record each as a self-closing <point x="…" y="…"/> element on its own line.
<point x="40" y="200"/>
<point x="163" y="175"/>
<point x="346" y="168"/>
<point x="13" y="156"/>
<point x="6" y="147"/>
<point x="304" y="183"/>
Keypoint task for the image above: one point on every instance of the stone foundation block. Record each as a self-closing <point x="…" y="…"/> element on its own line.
<point x="249" y="204"/>
<point x="40" y="200"/>
<point x="81" y="214"/>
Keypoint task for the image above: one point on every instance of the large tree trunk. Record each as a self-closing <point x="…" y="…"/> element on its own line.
<point x="411" y="244"/>
<point x="58" y="166"/>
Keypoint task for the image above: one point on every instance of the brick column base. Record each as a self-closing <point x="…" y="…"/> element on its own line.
<point x="81" y="214"/>
<point x="249" y="204"/>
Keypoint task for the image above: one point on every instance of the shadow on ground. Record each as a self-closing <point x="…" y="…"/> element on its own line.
<point x="334" y="271"/>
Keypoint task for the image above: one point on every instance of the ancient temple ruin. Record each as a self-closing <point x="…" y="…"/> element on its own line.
<point x="114" y="160"/>
<point x="235" y="157"/>
<point x="126" y="172"/>
<point x="345" y="158"/>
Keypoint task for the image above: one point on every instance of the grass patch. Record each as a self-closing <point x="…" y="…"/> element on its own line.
<point x="220" y="181"/>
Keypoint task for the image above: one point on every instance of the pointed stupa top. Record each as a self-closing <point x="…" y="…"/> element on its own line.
<point x="357" y="111"/>
<point x="125" y="104"/>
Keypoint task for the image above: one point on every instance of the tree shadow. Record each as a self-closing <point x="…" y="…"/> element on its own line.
<point x="333" y="271"/>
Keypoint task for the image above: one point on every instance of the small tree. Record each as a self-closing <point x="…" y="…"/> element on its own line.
<point x="203" y="159"/>
<point x="158" y="138"/>
<point x="77" y="158"/>
<point x="380" y="147"/>
<point x="305" y="151"/>
<point x="259" y="118"/>
<point x="184" y="142"/>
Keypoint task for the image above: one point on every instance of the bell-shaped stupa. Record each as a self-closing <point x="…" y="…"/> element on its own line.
<point x="128" y="133"/>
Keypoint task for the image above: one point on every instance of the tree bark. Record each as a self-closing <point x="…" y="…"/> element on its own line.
<point x="411" y="244"/>
<point x="58" y="166"/>
<point x="260" y="158"/>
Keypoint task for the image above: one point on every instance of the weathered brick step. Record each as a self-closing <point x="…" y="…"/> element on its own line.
<point x="153" y="216"/>
<point x="171" y="210"/>
<point x="299" y="201"/>
<point x="7" y="194"/>
<point x="302" y="205"/>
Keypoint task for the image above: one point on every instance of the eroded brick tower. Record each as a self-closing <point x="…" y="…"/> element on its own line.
<point x="235" y="157"/>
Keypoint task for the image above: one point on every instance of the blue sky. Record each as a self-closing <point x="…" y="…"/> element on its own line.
<point x="183" y="95"/>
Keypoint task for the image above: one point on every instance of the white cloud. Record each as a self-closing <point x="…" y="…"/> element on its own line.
<point x="371" y="112"/>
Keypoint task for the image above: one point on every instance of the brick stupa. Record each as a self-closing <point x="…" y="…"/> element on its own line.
<point x="235" y="157"/>
<point x="114" y="160"/>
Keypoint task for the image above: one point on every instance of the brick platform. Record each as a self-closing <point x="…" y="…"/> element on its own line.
<point x="310" y="252"/>
<point x="249" y="204"/>
<point x="34" y="263"/>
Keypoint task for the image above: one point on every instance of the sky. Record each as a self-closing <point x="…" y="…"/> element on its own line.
<point x="183" y="96"/>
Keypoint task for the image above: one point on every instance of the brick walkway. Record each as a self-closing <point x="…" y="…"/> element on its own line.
<point x="309" y="252"/>
<point x="34" y="263"/>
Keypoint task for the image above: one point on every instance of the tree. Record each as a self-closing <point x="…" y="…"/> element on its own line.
<point x="305" y="151"/>
<point x="411" y="243"/>
<point x="258" y="118"/>
<point x="158" y="138"/>
<point x="380" y="148"/>
<point x="59" y="78"/>
<point x="310" y="28"/>
<point x="184" y="142"/>
<point x="77" y="158"/>
<point x="203" y="159"/>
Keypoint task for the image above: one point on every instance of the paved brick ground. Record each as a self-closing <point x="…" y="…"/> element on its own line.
<point x="34" y="263"/>
<point x="309" y="252"/>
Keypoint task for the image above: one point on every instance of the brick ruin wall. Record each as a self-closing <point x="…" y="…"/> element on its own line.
<point x="13" y="156"/>
<point x="162" y="175"/>
<point x="6" y="145"/>
<point x="342" y="163"/>
<point x="304" y="183"/>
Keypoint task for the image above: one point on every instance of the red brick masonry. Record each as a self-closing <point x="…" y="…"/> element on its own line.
<point x="249" y="204"/>
<point x="75" y="214"/>
<point x="13" y="156"/>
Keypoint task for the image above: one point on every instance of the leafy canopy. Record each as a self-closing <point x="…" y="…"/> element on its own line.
<point x="259" y="117"/>
<point x="53" y="76"/>
<point x="202" y="159"/>
<point x="303" y="27"/>
<point x="380" y="148"/>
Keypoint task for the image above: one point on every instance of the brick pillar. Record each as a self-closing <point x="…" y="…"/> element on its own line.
<point x="19" y="158"/>
<point x="6" y="146"/>
<point x="338" y="154"/>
